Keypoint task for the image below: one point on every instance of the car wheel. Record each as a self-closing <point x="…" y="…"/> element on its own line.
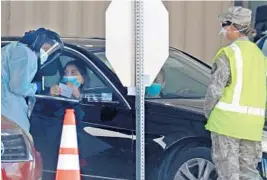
<point x="191" y="164"/>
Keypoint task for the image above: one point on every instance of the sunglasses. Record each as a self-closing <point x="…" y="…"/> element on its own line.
<point x="227" y="23"/>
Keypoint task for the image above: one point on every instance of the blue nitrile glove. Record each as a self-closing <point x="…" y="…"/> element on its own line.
<point x="39" y="87"/>
<point x="153" y="90"/>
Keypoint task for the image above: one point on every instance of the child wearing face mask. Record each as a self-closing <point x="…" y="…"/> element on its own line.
<point x="74" y="76"/>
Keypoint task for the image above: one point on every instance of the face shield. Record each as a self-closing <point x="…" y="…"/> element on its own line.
<point x="47" y="46"/>
<point x="47" y="50"/>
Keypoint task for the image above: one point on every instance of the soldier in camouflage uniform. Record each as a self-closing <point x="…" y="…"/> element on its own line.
<point x="234" y="158"/>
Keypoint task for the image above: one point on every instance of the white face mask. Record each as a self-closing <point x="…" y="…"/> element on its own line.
<point x="43" y="56"/>
<point x="224" y="31"/>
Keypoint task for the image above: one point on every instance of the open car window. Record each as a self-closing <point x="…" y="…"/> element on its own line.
<point x="94" y="87"/>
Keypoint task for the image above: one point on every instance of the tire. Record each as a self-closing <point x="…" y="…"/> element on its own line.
<point x="175" y="165"/>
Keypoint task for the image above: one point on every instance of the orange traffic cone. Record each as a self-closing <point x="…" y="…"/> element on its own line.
<point x="68" y="167"/>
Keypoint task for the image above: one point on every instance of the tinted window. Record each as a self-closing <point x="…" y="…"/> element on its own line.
<point x="183" y="76"/>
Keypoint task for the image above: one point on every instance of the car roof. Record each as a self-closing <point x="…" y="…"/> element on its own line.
<point x="87" y="42"/>
<point x="94" y="44"/>
<point x="90" y="42"/>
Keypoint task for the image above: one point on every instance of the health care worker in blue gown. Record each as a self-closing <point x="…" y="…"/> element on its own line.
<point x="20" y="62"/>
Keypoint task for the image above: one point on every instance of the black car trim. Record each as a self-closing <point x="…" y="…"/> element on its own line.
<point x="56" y="98"/>
<point x="196" y="59"/>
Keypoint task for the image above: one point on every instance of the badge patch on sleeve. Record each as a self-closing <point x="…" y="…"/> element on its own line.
<point x="214" y="68"/>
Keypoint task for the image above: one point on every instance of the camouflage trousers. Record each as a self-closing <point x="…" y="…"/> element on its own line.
<point x="235" y="159"/>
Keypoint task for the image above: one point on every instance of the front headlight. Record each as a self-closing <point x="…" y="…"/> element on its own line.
<point x="264" y="141"/>
<point x="14" y="147"/>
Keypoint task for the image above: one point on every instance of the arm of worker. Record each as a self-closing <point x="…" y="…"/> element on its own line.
<point x="22" y="70"/>
<point x="220" y="78"/>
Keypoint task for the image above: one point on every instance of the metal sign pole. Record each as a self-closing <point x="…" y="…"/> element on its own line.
<point x="140" y="90"/>
<point x="131" y="25"/>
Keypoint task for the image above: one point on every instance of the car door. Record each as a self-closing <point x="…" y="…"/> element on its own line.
<point x="104" y="123"/>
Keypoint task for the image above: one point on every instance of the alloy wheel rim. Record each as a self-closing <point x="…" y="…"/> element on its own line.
<point x="196" y="169"/>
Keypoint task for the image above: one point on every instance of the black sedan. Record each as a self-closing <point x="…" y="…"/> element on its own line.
<point x="176" y="142"/>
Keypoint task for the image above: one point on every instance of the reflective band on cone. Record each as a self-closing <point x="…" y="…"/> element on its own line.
<point x="67" y="175"/>
<point x="68" y="166"/>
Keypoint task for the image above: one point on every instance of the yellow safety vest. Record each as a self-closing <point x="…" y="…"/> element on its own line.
<point x="240" y="111"/>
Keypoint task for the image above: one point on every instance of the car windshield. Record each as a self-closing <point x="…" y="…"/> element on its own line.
<point x="180" y="77"/>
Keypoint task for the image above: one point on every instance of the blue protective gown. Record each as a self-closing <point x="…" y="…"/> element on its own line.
<point x="19" y="66"/>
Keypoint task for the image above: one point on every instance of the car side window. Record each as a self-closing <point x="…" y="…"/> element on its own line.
<point x="180" y="77"/>
<point x="93" y="89"/>
<point x="183" y="79"/>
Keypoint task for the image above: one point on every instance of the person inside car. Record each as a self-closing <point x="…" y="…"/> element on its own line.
<point x="74" y="76"/>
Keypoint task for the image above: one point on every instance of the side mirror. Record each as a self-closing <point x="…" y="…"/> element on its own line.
<point x="108" y="109"/>
<point x="108" y="112"/>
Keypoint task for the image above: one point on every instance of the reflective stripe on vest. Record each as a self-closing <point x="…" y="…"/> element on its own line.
<point x="235" y="106"/>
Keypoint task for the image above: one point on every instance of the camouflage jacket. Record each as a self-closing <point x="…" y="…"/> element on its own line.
<point x="220" y="78"/>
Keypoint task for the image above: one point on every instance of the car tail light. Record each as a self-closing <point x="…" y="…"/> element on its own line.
<point x="15" y="146"/>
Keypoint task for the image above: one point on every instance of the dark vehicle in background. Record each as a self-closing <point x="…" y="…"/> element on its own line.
<point x="19" y="159"/>
<point x="177" y="144"/>
<point x="260" y="21"/>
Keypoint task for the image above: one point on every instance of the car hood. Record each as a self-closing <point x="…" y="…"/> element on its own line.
<point x="195" y="105"/>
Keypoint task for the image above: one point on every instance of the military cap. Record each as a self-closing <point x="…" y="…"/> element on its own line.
<point x="237" y="15"/>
